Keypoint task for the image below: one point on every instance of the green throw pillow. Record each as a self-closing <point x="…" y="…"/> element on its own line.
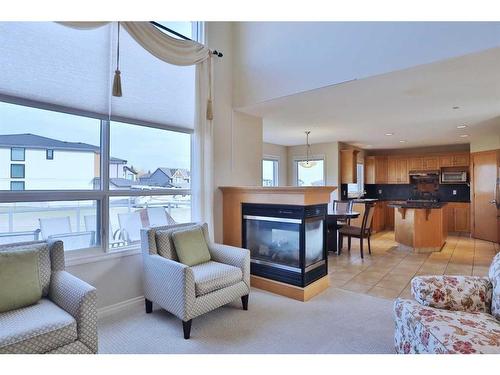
<point x="191" y="246"/>
<point x="19" y="279"/>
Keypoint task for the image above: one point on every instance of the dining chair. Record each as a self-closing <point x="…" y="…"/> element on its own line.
<point x="362" y="232"/>
<point x="343" y="206"/>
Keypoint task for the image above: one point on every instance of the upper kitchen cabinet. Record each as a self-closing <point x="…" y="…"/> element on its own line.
<point x="376" y="170"/>
<point x="348" y="166"/>
<point x="454" y="160"/>
<point x="430" y="163"/>
<point x="397" y="170"/>
<point x="415" y="163"/>
<point x="423" y="163"/>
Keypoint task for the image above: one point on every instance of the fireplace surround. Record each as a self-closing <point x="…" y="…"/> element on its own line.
<point x="287" y="243"/>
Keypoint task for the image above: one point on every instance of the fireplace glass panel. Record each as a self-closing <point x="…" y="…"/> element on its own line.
<point x="314" y="240"/>
<point x="275" y="242"/>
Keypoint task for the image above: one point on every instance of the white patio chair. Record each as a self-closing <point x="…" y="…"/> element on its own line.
<point x="60" y="228"/>
<point x="158" y="217"/>
<point x="130" y="226"/>
<point x="24" y="236"/>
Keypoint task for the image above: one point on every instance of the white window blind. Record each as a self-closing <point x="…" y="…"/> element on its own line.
<point x="53" y="64"/>
<point x="49" y="63"/>
<point x="153" y="90"/>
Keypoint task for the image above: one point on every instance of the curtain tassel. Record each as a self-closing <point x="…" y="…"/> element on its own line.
<point x="210" y="114"/>
<point x="117" y="84"/>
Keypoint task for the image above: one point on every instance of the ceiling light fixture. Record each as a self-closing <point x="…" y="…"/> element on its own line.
<point x="402" y="141"/>
<point x="464" y="135"/>
<point x="389" y="134"/>
<point x="307" y="163"/>
<point x="455" y="107"/>
<point x="461" y="126"/>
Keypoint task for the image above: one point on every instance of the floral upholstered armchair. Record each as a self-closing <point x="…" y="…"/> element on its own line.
<point x="450" y="314"/>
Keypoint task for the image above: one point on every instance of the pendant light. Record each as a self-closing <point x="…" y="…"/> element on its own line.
<point x="307" y="163"/>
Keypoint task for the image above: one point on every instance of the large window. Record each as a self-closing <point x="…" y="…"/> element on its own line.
<point x="74" y="156"/>
<point x="270" y="172"/>
<point x="310" y="173"/>
<point x="148" y="181"/>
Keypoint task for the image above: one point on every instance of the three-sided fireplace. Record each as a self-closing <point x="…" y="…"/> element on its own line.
<point x="287" y="243"/>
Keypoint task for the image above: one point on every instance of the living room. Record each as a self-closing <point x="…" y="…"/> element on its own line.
<point x="222" y="186"/>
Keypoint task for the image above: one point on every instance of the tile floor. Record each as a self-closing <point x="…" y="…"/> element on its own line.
<point x="388" y="271"/>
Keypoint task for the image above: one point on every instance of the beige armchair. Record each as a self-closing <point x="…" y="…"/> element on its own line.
<point x="188" y="292"/>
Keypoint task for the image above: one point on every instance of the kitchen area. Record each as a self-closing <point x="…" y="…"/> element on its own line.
<point x="422" y="197"/>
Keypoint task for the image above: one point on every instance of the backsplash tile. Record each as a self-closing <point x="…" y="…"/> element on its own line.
<point x="403" y="192"/>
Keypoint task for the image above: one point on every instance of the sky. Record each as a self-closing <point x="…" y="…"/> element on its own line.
<point x="144" y="148"/>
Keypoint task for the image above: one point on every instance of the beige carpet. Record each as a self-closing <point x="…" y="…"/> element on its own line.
<point x="336" y="321"/>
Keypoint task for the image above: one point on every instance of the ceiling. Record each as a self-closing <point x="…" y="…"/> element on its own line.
<point x="416" y="105"/>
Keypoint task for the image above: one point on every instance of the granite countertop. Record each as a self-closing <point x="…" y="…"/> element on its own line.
<point x="417" y="205"/>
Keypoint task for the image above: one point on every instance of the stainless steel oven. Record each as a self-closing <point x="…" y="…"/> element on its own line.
<point x="454" y="177"/>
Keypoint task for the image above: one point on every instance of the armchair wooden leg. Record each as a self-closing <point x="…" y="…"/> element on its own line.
<point x="244" y="301"/>
<point x="149" y="306"/>
<point x="186" y="327"/>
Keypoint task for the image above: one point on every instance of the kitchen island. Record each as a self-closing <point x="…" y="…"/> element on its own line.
<point x="420" y="226"/>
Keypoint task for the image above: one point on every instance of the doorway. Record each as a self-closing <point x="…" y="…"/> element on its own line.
<point x="484" y="180"/>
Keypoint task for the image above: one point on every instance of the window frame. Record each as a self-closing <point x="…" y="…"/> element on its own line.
<point x="276" y="168"/>
<point x="18" y="182"/>
<point x="17" y="148"/>
<point x="47" y="154"/>
<point x="298" y="159"/>
<point x="101" y="195"/>
<point x="12" y="165"/>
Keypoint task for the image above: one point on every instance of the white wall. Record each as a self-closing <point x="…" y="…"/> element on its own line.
<point x="279" y="152"/>
<point x="274" y="59"/>
<point x="237" y="136"/>
<point x="330" y="151"/>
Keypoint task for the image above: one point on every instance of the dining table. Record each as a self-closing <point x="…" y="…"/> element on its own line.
<point x="333" y="225"/>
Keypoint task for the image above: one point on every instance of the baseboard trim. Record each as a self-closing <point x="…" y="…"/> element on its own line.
<point x="112" y="309"/>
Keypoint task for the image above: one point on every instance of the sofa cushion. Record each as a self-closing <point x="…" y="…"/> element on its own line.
<point x="38" y="328"/>
<point x="211" y="276"/>
<point x="44" y="264"/>
<point x="191" y="246"/>
<point x="494" y="275"/>
<point x="19" y="279"/>
<point x="164" y="244"/>
<point x="422" y="329"/>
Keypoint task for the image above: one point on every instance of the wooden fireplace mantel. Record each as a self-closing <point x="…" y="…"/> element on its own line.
<point x="234" y="196"/>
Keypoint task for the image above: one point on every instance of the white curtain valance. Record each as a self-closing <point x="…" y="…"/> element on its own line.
<point x="171" y="50"/>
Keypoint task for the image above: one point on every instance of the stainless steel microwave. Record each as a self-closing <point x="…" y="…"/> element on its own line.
<point x="453" y="177"/>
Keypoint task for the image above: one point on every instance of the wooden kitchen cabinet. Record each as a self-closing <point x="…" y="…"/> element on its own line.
<point x="376" y="170"/>
<point x="454" y="160"/>
<point x="389" y="217"/>
<point x="446" y="161"/>
<point x="397" y="171"/>
<point x="415" y="163"/>
<point x="392" y="171"/>
<point x="402" y="171"/>
<point x="378" y="223"/>
<point x="430" y="163"/>
<point x="461" y="160"/>
<point x="349" y="166"/>
<point x="458" y="214"/>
